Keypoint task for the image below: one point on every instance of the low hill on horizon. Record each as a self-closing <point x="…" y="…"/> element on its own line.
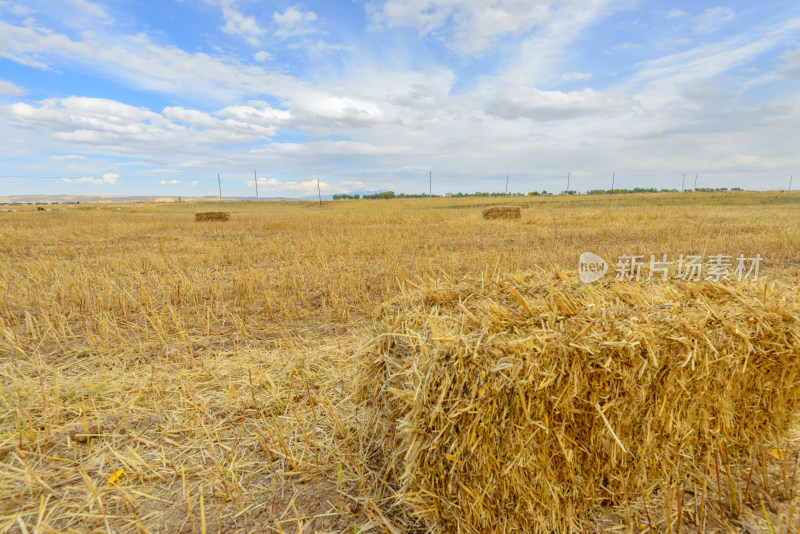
<point x="87" y="199"/>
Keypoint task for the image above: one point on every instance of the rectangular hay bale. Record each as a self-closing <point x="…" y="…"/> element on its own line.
<point x="502" y="212"/>
<point x="520" y="405"/>
<point x="212" y="216"/>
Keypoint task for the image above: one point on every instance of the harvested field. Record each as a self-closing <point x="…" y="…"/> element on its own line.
<point x="212" y="216"/>
<point x="157" y="375"/>
<point x="502" y="212"/>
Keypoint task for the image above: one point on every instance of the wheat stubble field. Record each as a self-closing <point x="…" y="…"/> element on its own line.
<point x="163" y="375"/>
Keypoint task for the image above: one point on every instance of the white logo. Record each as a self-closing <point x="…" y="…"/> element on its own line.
<point x="591" y="267"/>
<point x="716" y="267"/>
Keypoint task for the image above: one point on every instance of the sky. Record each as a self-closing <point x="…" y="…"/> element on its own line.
<point x="156" y="98"/>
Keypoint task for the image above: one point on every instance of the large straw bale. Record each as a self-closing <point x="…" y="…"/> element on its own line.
<point x="502" y="212"/>
<point x="212" y="216"/>
<point x="520" y="404"/>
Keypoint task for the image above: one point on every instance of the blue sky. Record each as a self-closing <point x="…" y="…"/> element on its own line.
<point x="126" y="97"/>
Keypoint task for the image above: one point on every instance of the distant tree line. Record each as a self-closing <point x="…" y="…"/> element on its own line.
<point x="545" y="193"/>
<point x="710" y="190"/>
<point x="392" y="194"/>
<point x="654" y="190"/>
<point x="624" y="191"/>
<point x="484" y="194"/>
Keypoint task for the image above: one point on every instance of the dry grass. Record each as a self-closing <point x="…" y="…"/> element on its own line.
<point x="214" y="364"/>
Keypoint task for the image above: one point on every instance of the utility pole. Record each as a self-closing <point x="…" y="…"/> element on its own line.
<point x="506" y="185"/>
<point x="255" y="177"/>
<point x="570" y="172"/>
<point x="790" y="182"/>
<point x="683" y="184"/>
<point x="430" y="183"/>
<point x="219" y="183"/>
<point x="319" y="192"/>
<point x="613" y="177"/>
<point x="695" y="184"/>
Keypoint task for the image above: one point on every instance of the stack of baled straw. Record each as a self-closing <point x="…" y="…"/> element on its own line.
<point x="502" y="212"/>
<point x="520" y="404"/>
<point x="212" y="216"/>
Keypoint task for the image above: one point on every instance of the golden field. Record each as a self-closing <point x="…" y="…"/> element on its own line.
<point x="163" y="375"/>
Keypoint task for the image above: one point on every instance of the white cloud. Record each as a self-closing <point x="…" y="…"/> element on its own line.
<point x="575" y="76"/>
<point x="136" y="60"/>
<point x="171" y="182"/>
<point x="263" y="115"/>
<point x="321" y="47"/>
<point x="342" y="110"/>
<point x="122" y="128"/>
<point x="8" y="88"/>
<point x="307" y="188"/>
<point x="15" y="8"/>
<point x="468" y="27"/>
<point x="542" y="51"/>
<point x="80" y="113"/>
<point x="791" y="66"/>
<point x="350" y="185"/>
<point x="90" y="9"/>
<point x="109" y="178"/>
<point x="69" y="157"/>
<point x="194" y="183"/>
<point x="334" y="148"/>
<point x="660" y="81"/>
<point x="157" y="172"/>
<point x="191" y="117"/>
<point x="262" y="56"/>
<point x="676" y="13"/>
<point x="701" y="91"/>
<point x="294" y="21"/>
<point x="544" y="106"/>
<point x="237" y="23"/>
<point x="673" y="41"/>
<point x="712" y="19"/>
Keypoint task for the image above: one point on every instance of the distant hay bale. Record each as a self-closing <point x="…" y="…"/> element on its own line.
<point x="39" y="208"/>
<point x="212" y="216"/>
<point x="502" y="212"/>
<point x="521" y="404"/>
